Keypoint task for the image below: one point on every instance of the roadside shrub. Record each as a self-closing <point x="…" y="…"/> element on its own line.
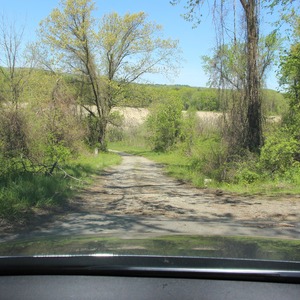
<point x="242" y="168"/>
<point x="293" y="175"/>
<point x="164" y="124"/>
<point x="56" y="151"/>
<point x="208" y="157"/>
<point x="13" y="139"/>
<point x="55" y="133"/>
<point x="188" y="132"/>
<point x="279" y="152"/>
<point x="13" y="133"/>
<point x="246" y="176"/>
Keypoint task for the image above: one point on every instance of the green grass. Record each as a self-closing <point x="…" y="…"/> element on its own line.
<point x="21" y="194"/>
<point x="264" y="187"/>
<point x="132" y="149"/>
<point x="85" y="166"/>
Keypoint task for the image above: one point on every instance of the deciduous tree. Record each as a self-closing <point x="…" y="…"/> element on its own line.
<point x="108" y="55"/>
<point x="251" y="11"/>
<point x="15" y="66"/>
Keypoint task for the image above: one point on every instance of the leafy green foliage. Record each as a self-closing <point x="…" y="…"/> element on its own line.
<point x="279" y="152"/>
<point x="195" y="98"/>
<point x="22" y="193"/>
<point x="143" y="95"/>
<point x="108" y="54"/>
<point x="208" y="157"/>
<point x="14" y="126"/>
<point x="56" y="152"/>
<point x="131" y="46"/>
<point x="290" y="78"/>
<point x="246" y="176"/>
<point x="164" y="124"/>
<point x="241" y="172"/>
<point x="188" y="131"/>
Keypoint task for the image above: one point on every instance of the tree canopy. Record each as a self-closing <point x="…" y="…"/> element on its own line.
<point x="107" y="54"/>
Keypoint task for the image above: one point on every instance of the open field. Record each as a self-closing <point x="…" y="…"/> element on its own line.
<point x="136" y="116"/>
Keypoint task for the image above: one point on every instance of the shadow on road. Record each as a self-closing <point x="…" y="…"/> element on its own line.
<point x="136" y="198"/>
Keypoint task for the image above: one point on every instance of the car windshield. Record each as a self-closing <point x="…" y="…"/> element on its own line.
<point x="161" y="127"/>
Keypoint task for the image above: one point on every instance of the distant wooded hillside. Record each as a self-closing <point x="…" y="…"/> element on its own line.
<point x="199" y="98"/>
<point x="40" y="85"/>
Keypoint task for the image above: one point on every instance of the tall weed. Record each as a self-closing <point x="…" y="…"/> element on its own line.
<point x="208" y="157"/>
<point x="22" y="192"/>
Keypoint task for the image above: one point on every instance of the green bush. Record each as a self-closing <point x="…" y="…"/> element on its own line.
<point x="246" y="176"/>
<point x="279" y="152"/>
<point x="164" y="124"/>
<point x="208" y="157"/>
<point x="292" y="175"/>
<point x="56" y="151"/>
<point x="188" y="133"/>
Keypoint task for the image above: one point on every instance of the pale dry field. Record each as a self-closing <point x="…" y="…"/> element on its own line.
<point x="137" y="116"/>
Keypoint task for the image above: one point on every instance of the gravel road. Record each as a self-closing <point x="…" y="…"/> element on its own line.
<point x="136" y="198"/>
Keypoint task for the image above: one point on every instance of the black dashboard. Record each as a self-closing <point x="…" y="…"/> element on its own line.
<point x="121" y="287"/>
<point x="120" y="277"/>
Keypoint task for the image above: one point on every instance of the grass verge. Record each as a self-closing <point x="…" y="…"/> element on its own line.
<point x="21" y="193"/>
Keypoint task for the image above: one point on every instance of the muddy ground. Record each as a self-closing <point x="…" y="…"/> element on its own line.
<point x="136" y="198"/>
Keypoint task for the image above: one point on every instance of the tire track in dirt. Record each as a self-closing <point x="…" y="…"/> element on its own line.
<point x="137" y="198"/>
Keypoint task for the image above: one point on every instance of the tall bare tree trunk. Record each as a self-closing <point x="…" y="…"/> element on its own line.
<point x="254" y="130"/>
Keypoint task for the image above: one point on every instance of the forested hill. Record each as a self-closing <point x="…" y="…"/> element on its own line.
<point x="199" y="98"/>
<point x="40" y="84"/>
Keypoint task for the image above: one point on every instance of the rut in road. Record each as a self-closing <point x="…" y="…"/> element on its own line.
<point x="137" y="198"/>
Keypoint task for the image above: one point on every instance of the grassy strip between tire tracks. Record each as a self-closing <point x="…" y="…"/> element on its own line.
<point x="21" y="194"/>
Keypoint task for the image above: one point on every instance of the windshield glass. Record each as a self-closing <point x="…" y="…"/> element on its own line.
<point x="150" y="127"/>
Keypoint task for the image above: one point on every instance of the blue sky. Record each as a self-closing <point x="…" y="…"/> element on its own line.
<point x="194" y="42"/>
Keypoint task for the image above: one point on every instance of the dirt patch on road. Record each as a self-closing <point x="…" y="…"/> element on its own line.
<point x="136" y="197"/>
<point x="139" y="187"/>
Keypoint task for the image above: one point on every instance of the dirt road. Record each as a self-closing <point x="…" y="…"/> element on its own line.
<point x="136" y="198"/>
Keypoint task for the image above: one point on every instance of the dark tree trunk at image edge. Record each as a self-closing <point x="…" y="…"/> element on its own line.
<point x="254" y="130"/>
